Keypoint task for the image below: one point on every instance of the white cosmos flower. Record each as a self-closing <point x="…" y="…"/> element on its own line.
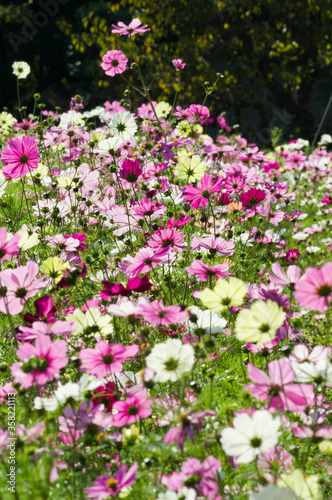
<point x="250" y="436"/>
<point x="319" y="373"/>
<point x="170" y="360"/>
<point x="21" y="69"/>
<point x="300" y="236"/>
<point x="111" y="144"/>
<point x="123" y="125"/>
<point x="91" y="323"/>
<point x="207" y="322"/>
<point x="71" y="390"/>
<point x="71" y="117"/>
<point x="163" y="109"/>
<point x="274" y="493"/>
<point x="183" y="494"/>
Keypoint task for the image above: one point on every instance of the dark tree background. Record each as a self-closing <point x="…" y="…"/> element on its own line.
<point x="275" y="56"/>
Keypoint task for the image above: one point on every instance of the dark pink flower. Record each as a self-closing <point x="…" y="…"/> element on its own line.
<point x="44" y="310"/>
<point x="21" y="156"/>
<point x="106" y="486"/>
<point x="134" y="407"/>
<point x="25" y="125"/>
<point x="132" y="29"/>
<point x="252" y="197"/>
<point x="114" y="62"/>
<point x="105" y="359"/>
<point x="178" y="64"/>
<point x="145" y="260"/>
<point x="292" y="255"/>
<point x="134" y="285"/>
<point x="130" y="170"/>
<point x="314" y="289"/>
<point x="40" y="362"/>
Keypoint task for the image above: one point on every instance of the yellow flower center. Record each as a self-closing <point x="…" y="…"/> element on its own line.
<point x="112" y="484"/>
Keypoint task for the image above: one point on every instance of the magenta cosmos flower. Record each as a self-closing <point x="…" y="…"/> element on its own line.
<point x="157" y="314"/>
<point x="252" y="197"/>
<point x="132" y="29"/>
<point x="134" y="407"/>
<point x="106" y="359"/>
<point x="130" y="170"/>
<point x="106" y="486"/>
<point x="40" y="362"/>
<point x="114" y="62"/>
<point x="134" y="285"/>
<point x="21" y="156"/>
<point x="314" y="289"/>
<point x="199" y="196"/>
<point x="178" y="64"/>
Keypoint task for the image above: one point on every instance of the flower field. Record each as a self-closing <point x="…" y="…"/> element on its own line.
<point x="165" y="303"/>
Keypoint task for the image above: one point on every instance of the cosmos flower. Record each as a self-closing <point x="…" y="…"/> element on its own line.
<point x="114" y="62"/>
<point x="170" y="360"/>
<point x="178" y="64"/>
<point x="314" y="289"/>
<point x="260" y="322"/>
<point x="123" y="125"/>
<point x="21" y="69"/>
<point x="21" y="156"/>
<point x="226" y="293"/>
<point x="133" y="28"/>
<point x="106" y="486"/>
<point x="105" y="359"/>
<point x="190" y="169"/>
<point x="250" y="435"/>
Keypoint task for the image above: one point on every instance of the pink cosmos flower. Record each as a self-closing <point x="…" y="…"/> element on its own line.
<point x="40" y="362"/>
<point x="105" y="359"/>
<point x="265" y="348"/>
<point x="106" y="486"/>
<point x="275" y="461"/>
<point x="6" y="389"/>
<point x="159" y="315"/>
<point x="204" y="272"/>
<point x="196" y="112"/>
<point x="25" y="125"/>
<point x="278" y="389"/>
<point x="136" y="285"/>
<point x="145" y="260"/>
<point x="147" y="208"/>
<point x="199" y="196"/>
<point x="314" y="289"/>
<point x="188" y="423"/>
<point x="233" y="184"/>
<point x="39" y="328"/>
<point x="132" y="29"/>
<point x="21" y="156"/>
<point x="280" y="278"/>
<point x="114" y="62"/>
<point x="18" y="285"/>
<point x="134" y="407"/>
<point x="167" y="237"/>
<point x="214" y="245"/>
<point x="200" y="476"/>
<point x="10" y="247"/>
<point x="318" y="353"/>
<point x="178" y="64"/>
